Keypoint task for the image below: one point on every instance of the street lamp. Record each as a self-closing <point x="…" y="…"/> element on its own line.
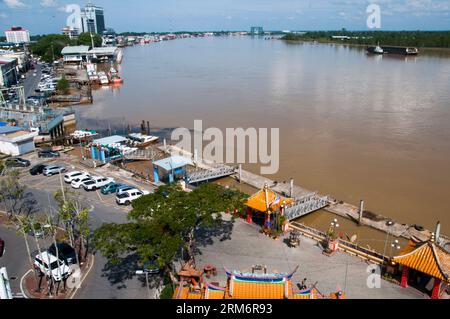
<point x="144" y="272"/>
<point x="148" y="269"/>
<point x="395" y="244"/>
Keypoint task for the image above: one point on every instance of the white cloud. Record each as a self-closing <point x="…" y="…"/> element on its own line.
<point x="48" y="3"/>
<point x="14" y="4"/>
<point x="3" y="15"/>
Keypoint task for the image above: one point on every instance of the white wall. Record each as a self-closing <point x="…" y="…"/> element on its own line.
<point x="15" y="149"/>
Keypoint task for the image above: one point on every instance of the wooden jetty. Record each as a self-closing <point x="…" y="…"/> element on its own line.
<point x="308" y="201"/>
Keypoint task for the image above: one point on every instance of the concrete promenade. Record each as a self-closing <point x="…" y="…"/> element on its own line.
<point x="244" y="247"/>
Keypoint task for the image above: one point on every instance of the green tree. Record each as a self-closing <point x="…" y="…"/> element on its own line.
<point x="74" y="218"/>
<point x="49" y="47"/>
<point x="85" y="39"/>
<point x="63" y="86"/>
<point x="163" y="223"/>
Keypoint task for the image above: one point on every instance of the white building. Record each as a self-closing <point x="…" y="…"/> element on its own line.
<point x="17" y="35"/>
<point x="75" y="54"/>
<point x="16" y="141"/>
<point x="71" y="32"/>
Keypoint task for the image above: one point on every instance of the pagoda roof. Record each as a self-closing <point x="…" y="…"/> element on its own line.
<point x="428" y="258"/>
<point x="258" y="200"/>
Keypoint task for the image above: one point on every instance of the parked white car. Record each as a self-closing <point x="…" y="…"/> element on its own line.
<point x="58" y="272"/>
<point x="69" y="177"/>
<point x="96" y="182"/>
<point x="76" y="183"/>
<point x="125" y="198"/>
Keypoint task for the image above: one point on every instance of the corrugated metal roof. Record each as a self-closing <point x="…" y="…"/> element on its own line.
<point x="173" y="162"/>
<point x="78" y="49"/>
<point x="10" y="129"/>
<point x="109" y="140"/>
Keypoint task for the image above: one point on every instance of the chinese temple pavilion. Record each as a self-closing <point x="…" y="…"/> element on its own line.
<point x="250" y="286"/>
<point x="427" y="258"/>
<point x="266" y="201"/>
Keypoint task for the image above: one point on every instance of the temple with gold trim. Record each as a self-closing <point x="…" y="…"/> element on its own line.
<point x="246" y="286"/>
<point x="426" y="258"/>
<point x="266" y="202"/>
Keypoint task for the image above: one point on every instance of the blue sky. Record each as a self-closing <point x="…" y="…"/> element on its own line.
<point x="48" y="16"/>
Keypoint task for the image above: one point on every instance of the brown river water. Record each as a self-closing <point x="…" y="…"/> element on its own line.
<point x="352" y="125"/>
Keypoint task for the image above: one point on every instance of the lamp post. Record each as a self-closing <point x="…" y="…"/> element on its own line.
<point x="144" y="272"/>
<point x="147" y="269"/>
<point x="334" y="224"/>
<point x="395" y="244"/>
<point x="389" y="224"/>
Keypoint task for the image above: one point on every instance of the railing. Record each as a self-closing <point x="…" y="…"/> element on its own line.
<point x="304" y="206"/>
<point x="147" y="154"/>
<point x="205" y="175"/>
<point x="343" y="244"/>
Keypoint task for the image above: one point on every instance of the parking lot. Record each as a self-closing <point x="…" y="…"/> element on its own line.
<point x="54" y="183"/>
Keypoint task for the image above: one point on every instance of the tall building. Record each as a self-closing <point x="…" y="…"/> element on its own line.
<point x="92" y="19"/>
<point x="17" y="35"/>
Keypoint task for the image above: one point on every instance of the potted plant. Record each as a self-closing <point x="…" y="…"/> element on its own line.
<point x="331" y="240"/>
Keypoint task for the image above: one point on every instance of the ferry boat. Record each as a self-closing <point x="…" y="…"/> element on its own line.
<point x="140" y="140"/>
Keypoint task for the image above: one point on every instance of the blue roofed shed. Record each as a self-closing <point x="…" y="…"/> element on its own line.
<point x="170" y="168"/>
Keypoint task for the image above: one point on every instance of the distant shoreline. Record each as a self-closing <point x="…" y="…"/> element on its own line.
<point x="427" y="49"/>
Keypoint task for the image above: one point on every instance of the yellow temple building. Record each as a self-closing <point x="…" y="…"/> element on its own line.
<point x="249" y="286"/>
<point x="427" y="258"/>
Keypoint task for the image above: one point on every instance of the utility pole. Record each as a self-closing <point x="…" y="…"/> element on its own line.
<point x="92" y="40"/>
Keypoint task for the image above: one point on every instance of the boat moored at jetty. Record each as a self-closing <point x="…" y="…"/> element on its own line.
<point x="140" y="140"/>
<point x="103" y="78"/>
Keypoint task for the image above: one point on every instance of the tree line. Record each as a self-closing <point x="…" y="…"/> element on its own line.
<point x="49" y="47"/>
<point x="420" y="39"/>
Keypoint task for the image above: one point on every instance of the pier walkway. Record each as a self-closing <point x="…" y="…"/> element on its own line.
<point x="318" y="201"/>
<point x="203" y="175"/>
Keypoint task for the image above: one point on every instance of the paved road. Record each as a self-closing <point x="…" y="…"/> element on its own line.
<point x="102" y="281"/>
<point x="15" y="257"/>
<point x="31" y="82"/>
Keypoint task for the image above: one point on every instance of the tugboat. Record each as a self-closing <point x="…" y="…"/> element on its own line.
<point x="378" y="50"/>
<point x="375" y="50"/>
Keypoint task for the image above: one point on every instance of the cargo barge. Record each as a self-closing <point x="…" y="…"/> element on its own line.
<point x="393" y="50"/>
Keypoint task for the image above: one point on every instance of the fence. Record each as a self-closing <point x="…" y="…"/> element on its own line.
<point x="344" y="245"/>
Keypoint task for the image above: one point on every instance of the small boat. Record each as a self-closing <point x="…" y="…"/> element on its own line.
<point x="83" y="135"/>
<point x="116" y="80"/>
<point x="103" y="78"/>
<point x="142" y="140"/>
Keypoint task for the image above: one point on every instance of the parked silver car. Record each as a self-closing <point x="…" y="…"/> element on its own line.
<point x="53" y="170"/>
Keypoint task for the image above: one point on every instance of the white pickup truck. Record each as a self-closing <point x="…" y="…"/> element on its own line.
<point x="96" y="182"/>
